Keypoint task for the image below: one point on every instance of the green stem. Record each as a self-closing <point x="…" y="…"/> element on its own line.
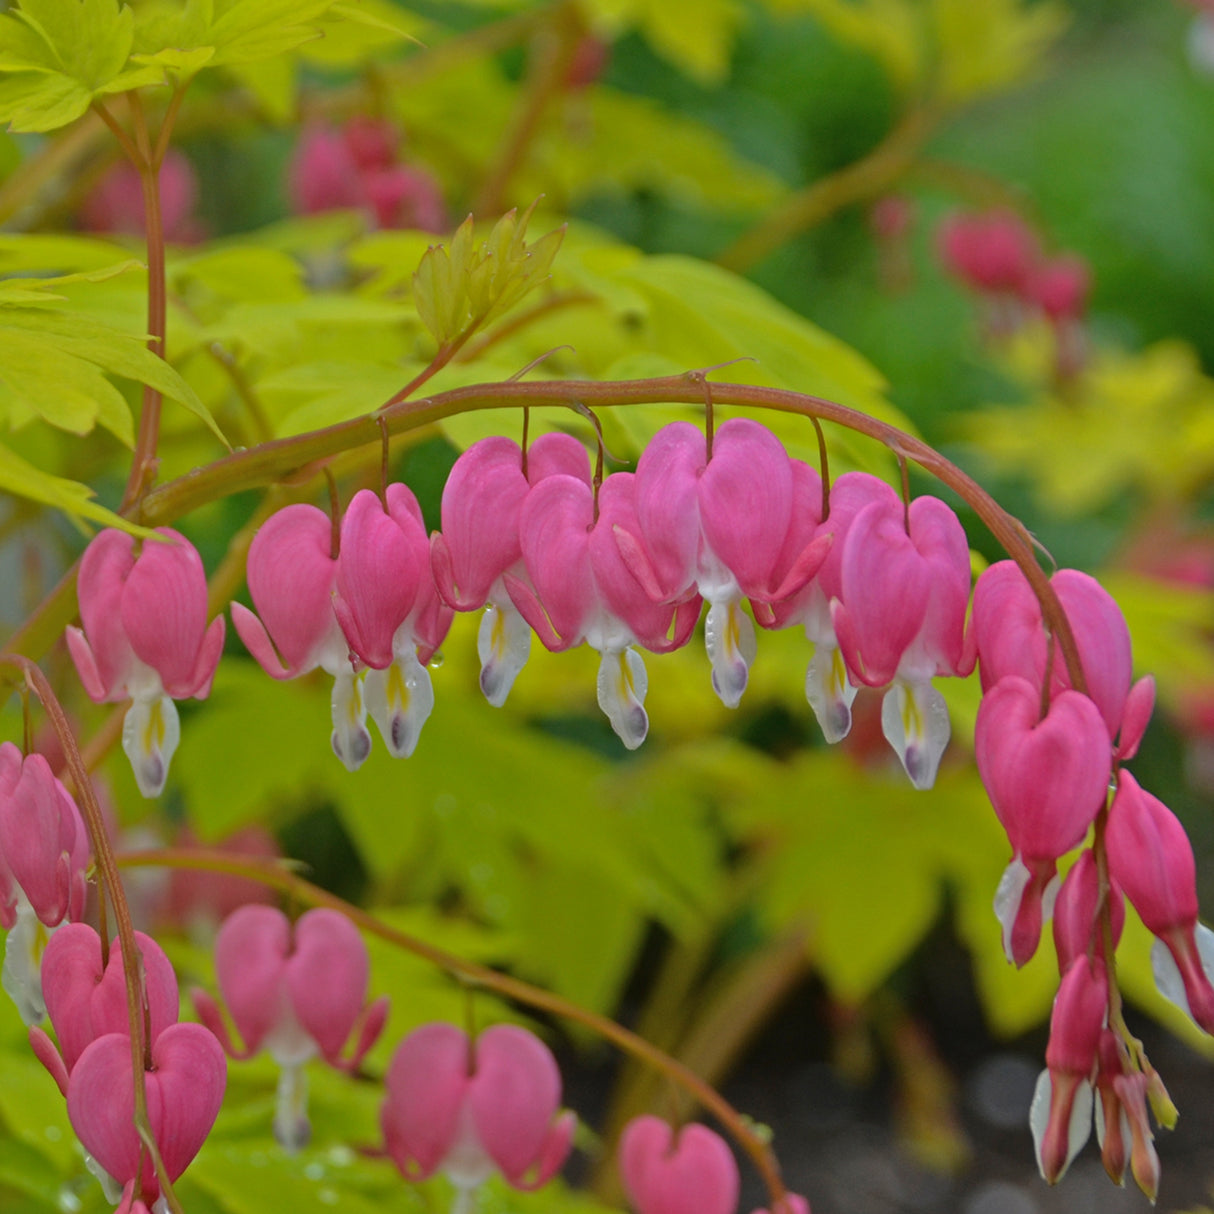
<point x="866" y="178"/>
<point x="274" y="874"/>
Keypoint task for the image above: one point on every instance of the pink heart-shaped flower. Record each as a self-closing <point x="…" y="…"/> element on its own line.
<point x="693" y="1173"/>
<point x="185" y="1087"/>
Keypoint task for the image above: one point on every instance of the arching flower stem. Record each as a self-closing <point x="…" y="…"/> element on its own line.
<point x="278" y="876"/>
<point x="274" y="461"/>
<point x="110" y="884"/>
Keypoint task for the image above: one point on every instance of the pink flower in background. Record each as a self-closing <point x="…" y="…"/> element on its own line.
<point x="356" y="168"/>
<point x="297" y="991"/>
<point x="992" y="251"/>
<point x="115" y="203"/>
<point x="691" y="1172"/>
<point x="470" y="1110"/>
<point x="146" y="639"/>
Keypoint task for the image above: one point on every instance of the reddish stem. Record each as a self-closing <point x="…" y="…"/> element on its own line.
<point x="274" y="874"/>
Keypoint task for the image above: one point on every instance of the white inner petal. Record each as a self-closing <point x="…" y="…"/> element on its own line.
<point x="503" y="644"/>
<point x="150" y="733"/>
<point x="350" y="739"/>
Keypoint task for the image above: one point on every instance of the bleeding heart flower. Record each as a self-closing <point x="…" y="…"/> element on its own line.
<point x="693" y="1172"/>
<point x="145" y="639"/>
<point x="296" y="992"/>
<point x="475" y="1110"/>
<point x="1047" y="778"/>
<point x="86" y="1000"/>
<point x="390" y="611"/>
<point x="905" y="581"/>
<point x="292" y="575"/>
<point x="184" y="1084"/>
<point x="479" y="543"/>
<point x="1061" y="1115"/>
<point x="1152" y="860"/>
<point x="44" y="852"/>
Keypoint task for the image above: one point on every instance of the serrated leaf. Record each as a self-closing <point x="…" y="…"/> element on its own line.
<point x="65" y="391"/>
<point x="43" y="102"/>
<point x="84" y="341"/>
<point x="90" y="39"/>
<point x="24" y="480"/>
<point x="249" y="30"/>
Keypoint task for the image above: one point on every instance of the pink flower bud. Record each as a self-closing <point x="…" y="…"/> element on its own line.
<point x="44" y="847"/>
<point x="1061" y="1116"/>
<point x="693" y="1172"/>
<point x="1151" y="858"/>
<point x="1077" y="928"/>
<point x="994" y="251"/>
<point x="475" y="1110"/>
<point x="1047" y="778"/>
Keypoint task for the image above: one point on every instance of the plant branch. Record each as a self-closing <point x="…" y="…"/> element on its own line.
<point x="111" y="886"/>
<point x="865" y="178"/>
<point x="277" y="876"/>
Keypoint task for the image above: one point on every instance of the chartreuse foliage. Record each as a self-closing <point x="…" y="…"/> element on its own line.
<point x="519" y="837"/>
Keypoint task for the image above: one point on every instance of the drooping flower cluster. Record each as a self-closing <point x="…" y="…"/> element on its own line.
<point x="358" y="168"/>
<point x="999" y="257"/>
<point x="185" y="1072"/>
<point x="1047" y="753"/>
<point x="880" y="589"/>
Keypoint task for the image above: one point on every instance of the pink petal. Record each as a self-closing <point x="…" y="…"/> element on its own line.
<point x="886" y="585"/>
<point x="184" y="1090"/>
<point x="554" y="529"/>
<point x="251" y="952"/>
<point x="746" y="495"/>
<point x="667" y="504"/>
<point x="326" y="977"/>
<point x="480" y="513"/>
<point x="84" y="1002"/>
<point x="1047" y="778"/>
<point x="557" y="454"/>
<point x="291" y="576"/>
<point x="104" y="568"/>
<point x="426" y="1084"/>
<point x="383" y="557"/>
<point x="164" y="609"/>
<point x="622" y="592"/>
<point x="514" y="1096"/>
<point x="698" y="1175"/>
